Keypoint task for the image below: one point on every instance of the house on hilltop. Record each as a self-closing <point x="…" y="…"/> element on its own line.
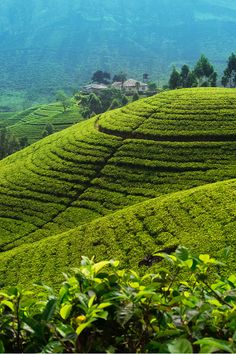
<point x="131" y="85"/>
<point x="94" y="88"/>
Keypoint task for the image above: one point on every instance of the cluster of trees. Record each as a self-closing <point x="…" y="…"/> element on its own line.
<point x="203" y="74"/>
<point x="109" y="99"/>
<point x="103" y="77"/>
<point x="64" y="100"/>
<point x="9" y="143"/>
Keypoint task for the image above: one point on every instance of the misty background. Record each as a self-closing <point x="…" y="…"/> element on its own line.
<point x="47" y="45"/>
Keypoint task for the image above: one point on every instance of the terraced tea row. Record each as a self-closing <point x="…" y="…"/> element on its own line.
<point x="203" y="219"/>
<point x="81" y="174"/>
<point x="32" y="122"/>
<point x="196" y="114"/>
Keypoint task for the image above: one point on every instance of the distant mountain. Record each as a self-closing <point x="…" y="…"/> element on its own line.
<point x="50" y="44"/>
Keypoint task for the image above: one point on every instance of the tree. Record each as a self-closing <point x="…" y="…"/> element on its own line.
<point x="152" y="86"/>
<point x="48" y="130"/>
<point x="175" y="79"/>
<point x="135" y="96"/>
<point x="9" y="143"/>
<point x="191" y="80"/>
<point x="124" y="100"/>
<point x="115" y="104"/>
<point x="184" y="75"/>
<point x="95" y="104"/>
<point x="204" y="72"/>
<point x="101" y="77"/>
<point x="121" y="77"/>
<point x="63" y="99"/>
<point x="229" y="77"/>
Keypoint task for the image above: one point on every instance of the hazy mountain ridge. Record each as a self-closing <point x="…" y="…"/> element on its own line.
<point x="47" y="45"/>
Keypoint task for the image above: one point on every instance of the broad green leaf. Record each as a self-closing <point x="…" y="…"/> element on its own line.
<point x="53" y="347"/>
<point x="98" y="266"/>
<point x="91" y="301"/>
<point x="211" y="345"/>
<point x="205" y="258"/>
<point x="49" y="309"/>
<point x="182" y="253"/>
<point x="64" y="330"/>
<point x="9" y="304"/>
<point x="114" y="263"/>
<point x="180" y="345"/>
<point x="104" y="305"/>
<point x="65" y="311"/>
<point x="82" y="326"/>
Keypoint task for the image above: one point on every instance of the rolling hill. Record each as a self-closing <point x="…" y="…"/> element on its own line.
<point x="122" y="184"/>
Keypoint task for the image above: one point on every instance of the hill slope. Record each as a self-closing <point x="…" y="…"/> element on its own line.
<point x="171" y="142"/>
<point x="203" y="219"/>
<point x="31" y="122"/>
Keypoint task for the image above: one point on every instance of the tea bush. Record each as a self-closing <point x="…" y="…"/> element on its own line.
<point x="184" y="308"/>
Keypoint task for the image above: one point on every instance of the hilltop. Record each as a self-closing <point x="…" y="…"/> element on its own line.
<point x="77" y="180"/>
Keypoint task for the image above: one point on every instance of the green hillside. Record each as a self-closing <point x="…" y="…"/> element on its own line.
<point x="154" y="147"/>
<point x="31" y="122"/>
<point x="203" y="218"/>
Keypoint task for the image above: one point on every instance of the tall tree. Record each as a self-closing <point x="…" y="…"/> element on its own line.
<point x="184" y="74"/>
<point x="229" y="77"/>
<point x="95" y="104"/>
<point x="175" y="79"/>
<point x="205" y="72"/>
<point x="63" y="99"/>
<point x="101" y="77"/>
<point x="121" y="77"/>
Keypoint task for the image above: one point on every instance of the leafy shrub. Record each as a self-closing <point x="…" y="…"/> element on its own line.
<point x="182" y="308"/>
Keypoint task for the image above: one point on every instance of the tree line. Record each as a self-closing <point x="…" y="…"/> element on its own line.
<point x="203" y="75"/>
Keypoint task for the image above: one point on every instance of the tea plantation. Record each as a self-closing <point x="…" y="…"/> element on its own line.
<point x="122" y="185"/>
<point x="31" y="122"/>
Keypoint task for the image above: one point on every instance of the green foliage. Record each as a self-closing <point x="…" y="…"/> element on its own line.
<point x="205" y="73"/>
<point x="48" y="130"/>
<point x="135" y="97"/>
<point x="102" y="102"/>
<point x="100" y="307"/>
<point x="229" y="77"/>
<point x="121" y="77"/>
<point x="64" y="100"/>
<point x="101" y="77"/>
<point x="9" y="143"/>
<point x="114" y="104"/>
<point x="31" y="123"/>
<point x="175" y="80"/>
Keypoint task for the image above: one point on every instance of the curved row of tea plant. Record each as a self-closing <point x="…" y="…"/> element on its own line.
<point x="101" y="308"/>
<point x="31" y="123"/>
<point x="203" y="218"/>
<point x="195" y="114"/>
